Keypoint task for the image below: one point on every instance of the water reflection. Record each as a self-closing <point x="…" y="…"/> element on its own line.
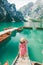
<point x="10" y="24"/>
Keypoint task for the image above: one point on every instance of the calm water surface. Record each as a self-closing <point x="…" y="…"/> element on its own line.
<point x="9" y="48"/>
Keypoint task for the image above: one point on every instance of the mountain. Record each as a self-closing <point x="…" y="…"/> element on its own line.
<point x="37" y="9"/>
<point x="26" y="10"/>
<point x="8" y="12"/>
<point x="34" y="10"/>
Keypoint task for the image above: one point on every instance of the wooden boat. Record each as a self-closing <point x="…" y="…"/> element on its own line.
<point x="4" y="36"/>
<point x="36" y="63"/>
<point x="21" y="61"/>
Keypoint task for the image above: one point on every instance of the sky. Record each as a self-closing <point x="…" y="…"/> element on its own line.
<point x="20" y="3"/>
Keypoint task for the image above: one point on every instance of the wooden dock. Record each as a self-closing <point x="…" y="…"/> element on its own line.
<point x="22" y="61"/>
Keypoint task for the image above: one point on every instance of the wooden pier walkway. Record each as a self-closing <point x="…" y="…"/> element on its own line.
<point x="22" y="61"/>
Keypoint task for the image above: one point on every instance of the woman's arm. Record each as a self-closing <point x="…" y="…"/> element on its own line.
<point x="26" y="41"/>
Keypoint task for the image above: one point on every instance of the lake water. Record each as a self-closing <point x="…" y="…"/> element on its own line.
<point x="9" y="48"/>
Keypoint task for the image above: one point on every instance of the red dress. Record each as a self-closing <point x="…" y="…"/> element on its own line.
<point x="22" y="49"/>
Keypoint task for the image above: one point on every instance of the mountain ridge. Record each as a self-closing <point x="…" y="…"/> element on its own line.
<point x="35" y="11"/>
<point x="26" y="9"/>
<point x="8" y="12"/>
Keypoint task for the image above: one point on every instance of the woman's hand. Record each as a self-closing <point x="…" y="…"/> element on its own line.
<point x="26" y="41"/>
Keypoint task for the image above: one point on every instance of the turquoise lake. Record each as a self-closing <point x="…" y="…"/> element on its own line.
<point x="10" y="47"/>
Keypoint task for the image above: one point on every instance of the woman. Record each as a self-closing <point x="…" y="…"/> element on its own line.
<point x="22" y="47"/>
